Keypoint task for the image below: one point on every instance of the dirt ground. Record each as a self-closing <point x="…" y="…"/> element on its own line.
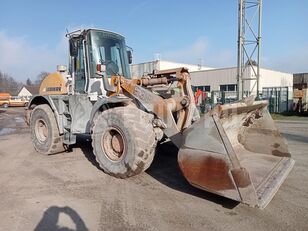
<point x="68" y="191"/>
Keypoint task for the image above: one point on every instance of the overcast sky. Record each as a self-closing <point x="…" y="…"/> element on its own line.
<point x="32" y="32"/>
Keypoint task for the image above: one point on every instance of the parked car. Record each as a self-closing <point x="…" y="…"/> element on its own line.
<point x="4" y="99"/>
<point x="13" y="101"/>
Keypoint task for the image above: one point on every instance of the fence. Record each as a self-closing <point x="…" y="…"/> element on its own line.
<point x="207" y="100"/>
<point x="278" y="98"/>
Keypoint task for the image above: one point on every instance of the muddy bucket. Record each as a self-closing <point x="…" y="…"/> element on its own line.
<point x="236" y="151"/>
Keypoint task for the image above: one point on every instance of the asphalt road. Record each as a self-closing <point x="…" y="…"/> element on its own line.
<point x="68" y="191"/>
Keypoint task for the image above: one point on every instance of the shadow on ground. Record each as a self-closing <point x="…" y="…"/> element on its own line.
<point x="293" y="137"/>
<point x="50" y="220"/>
<point x="84" y="143"/>
<point x="164" y="169"/>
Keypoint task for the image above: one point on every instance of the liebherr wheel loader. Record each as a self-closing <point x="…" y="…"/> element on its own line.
<point x="234" y="150"/>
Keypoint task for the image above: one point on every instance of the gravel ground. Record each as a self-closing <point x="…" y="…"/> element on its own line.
<point x="68" y="191"/>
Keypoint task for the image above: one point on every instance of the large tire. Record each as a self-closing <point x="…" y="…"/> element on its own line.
<point x="124" y="141"/>
<point x="44" y="131"/>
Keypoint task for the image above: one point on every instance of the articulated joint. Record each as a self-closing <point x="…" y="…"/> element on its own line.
<point x="177" y="104"/>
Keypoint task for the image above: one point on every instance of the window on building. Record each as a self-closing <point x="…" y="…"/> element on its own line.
<point x="207" y="88"/>
<point x="228" y="87"/>
<point x="223" y="88"/>
<point x="202" y="88"/>
<point x="231" y="87"/>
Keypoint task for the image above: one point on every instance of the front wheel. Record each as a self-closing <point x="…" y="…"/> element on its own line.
<point x="124" y="141"/>
<point x="44" y="131"/>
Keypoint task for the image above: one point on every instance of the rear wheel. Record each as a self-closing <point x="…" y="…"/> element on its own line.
<point x="5" y="105"/>
<point x="124" y="141"/>
<point x="44" y="131"/>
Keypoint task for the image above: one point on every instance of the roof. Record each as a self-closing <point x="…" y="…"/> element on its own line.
<point x="232" y="68"/>
<point x="5" y="94"/>
<point x="85" y="30"/>
<point x="33" y="89"/>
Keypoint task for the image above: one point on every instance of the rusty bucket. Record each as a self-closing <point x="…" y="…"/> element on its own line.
<point x="236" y="151"/>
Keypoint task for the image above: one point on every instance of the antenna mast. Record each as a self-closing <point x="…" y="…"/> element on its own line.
<point x="249" y="43"/>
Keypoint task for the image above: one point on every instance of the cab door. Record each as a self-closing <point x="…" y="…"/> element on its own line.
<point x="80" y="68"/>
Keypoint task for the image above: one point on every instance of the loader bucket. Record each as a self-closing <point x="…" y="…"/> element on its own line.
<point x="236" y="151"/>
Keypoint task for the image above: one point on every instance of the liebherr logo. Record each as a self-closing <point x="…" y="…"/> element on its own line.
<point x="53" y="88"/>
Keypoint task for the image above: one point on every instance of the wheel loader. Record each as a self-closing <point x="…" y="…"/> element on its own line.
<point x="235" y="150"/>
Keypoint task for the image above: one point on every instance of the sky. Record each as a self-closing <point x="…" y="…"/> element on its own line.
<point x="32" y="32"/>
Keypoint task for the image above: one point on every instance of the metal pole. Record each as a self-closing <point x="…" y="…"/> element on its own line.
<point x="243" y="36"/>
<point x="239" y="52"/>
<point x="259" y="48"/>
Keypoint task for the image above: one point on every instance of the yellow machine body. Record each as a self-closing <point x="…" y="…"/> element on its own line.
<point x="53" y="84"/>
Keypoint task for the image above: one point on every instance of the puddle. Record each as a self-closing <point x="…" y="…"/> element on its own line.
<point x="5" y="131"/>
<point x="19" y="120"/>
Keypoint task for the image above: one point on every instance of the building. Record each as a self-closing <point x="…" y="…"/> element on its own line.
<point x="300" y="89"/>
<point x="224" y="79"/>
<point x="218" y="83"/>
<point x="140" y="69"/>
<point x="275" y="86"/>
<point x="28" y="91"/>
<point x="5" y="95"/>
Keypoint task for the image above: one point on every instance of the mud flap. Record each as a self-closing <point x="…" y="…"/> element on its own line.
<point x="236" y="151"/>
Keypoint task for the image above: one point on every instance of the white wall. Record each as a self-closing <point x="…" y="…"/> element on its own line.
<point x="140" y="69"/>
<point x="24" y="93"/>
<point x="214" y="78"/>
<point x="270" y="78"/>
<point x="165" y="65"/>
<point x="217" y="77"/>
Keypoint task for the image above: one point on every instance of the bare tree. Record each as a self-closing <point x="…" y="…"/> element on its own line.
<point x="28" y="82"/>
<point x="40" y="77"/>
<point x="9" y="84"/>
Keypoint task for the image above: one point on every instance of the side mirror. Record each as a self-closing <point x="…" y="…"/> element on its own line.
<point x="73" y="48"/>
<point x="130" y="57"/>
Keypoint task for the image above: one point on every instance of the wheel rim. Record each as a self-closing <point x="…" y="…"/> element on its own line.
<point x="41" y="130"/>
<point x="113" y="144"/>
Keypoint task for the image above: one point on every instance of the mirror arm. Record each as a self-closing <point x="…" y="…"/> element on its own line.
<point x="106" y="84"/>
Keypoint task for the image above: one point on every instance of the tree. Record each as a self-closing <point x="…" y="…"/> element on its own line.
<point x="9" y="84"/>
<point x="40" y="77"/>
<point x="28" y="82"/>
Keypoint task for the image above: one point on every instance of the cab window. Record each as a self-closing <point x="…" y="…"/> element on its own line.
<point x="80" y="76"/>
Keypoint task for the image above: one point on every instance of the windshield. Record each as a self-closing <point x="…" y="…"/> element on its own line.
<point x="109" y="49"/>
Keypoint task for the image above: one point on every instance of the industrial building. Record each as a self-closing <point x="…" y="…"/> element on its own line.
<point x="141" y="69"/>
<point x="275" y="86"/>
<point x="218" y="83"/>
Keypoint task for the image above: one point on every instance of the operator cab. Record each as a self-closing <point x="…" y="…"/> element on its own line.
<point x="91" y="48"/>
